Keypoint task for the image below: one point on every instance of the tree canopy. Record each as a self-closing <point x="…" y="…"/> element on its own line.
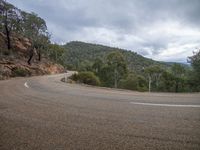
<point x="15" y="22"/>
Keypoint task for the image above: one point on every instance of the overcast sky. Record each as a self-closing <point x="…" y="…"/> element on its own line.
<point x="166" y="30"/>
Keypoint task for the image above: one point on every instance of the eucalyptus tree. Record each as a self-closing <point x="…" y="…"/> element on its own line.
<point x="117" y="67"/>
<point x="35" y="29"/>
<point x="55" y="52"/>
<point x="195" y="62"/>
<point x="97" y="65"/>
<point x="9" y="20"/>
<point x="153" y="74"/>
<point x="178" y="72"/>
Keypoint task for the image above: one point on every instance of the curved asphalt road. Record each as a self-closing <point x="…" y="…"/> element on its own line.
<point x="42" y="113"/>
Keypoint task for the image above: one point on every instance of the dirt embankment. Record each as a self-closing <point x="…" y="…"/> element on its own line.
<point x="14" y="62"/>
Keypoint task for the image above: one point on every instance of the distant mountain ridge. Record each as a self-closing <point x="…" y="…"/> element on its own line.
<point x="78" y="53"/>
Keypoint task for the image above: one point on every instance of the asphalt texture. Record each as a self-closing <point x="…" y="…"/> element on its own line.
<point x="43" y="113"/>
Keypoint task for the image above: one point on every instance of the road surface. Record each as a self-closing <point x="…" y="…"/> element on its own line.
<point x="43" y="113"/>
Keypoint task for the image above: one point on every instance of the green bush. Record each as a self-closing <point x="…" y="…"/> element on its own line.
<point x="74" y="77"/>
<point x="20" y="72"/>
<point x="86" y="78"/>
<point x="133" y="82"/>
<point x="130" y="83"/>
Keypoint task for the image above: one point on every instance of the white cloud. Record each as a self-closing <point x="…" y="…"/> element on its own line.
<point x="162" y="30"/>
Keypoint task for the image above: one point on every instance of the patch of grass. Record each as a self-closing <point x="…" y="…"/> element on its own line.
<point x="20" y="72"/>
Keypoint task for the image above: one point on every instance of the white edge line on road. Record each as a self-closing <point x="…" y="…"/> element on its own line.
<point x="165" y="105"/>
<point x="26" y="85"/>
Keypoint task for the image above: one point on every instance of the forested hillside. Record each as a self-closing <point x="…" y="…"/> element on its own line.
<point x="25" y="47"/>
<point x="114" y="67"/>
<point x="78" y="55"/>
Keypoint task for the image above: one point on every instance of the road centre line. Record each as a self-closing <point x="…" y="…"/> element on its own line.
<point x="165" y="105"/>
<point x="26" y="85"/>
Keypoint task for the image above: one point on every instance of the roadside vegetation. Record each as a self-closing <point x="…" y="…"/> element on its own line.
<point x="86" y="77"/>
<point x="20" y="72"/>
<point x="114" y="72"/>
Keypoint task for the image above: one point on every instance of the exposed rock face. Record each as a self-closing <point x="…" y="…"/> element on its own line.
<point x="16" y="65"/>
<point x="51" y="68"/>
<point x="21" y="44"/>
<point x="18" y="43"/>
<point x="2" y="41"/>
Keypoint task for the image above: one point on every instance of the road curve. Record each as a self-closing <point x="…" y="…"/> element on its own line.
<point x="43" y="113"/>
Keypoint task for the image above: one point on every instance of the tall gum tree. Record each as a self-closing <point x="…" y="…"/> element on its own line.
<point x="117" y="65"/>
<point x="9" y="20"/>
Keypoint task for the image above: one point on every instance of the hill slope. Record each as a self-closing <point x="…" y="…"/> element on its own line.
<point x="24" y="43"/>
<point x="78" y="53"/>
<point x="14" y="62"/>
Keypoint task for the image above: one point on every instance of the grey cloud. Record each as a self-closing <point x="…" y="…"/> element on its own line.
<point x="127" y="15"/>
<point x="116" y="22"/>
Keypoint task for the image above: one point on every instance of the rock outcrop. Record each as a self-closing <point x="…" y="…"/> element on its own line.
<point x="14" y="62"/>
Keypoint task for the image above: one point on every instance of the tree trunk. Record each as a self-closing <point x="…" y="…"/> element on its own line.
<point x="7" y="30"/>
<point x="30" y="56"/>
<point x="149" y="83"/>
<point x="115" y="78"/>
<point x="176" y="88"/>
<point x="39" y="55"/>
<point x="56" y="55"/>
<point x="7" y="36"/>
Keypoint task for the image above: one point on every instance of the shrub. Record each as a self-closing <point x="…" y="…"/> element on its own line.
<point x="20" y="72"/>
<point x="86" y="78"/>
<point x="142" y="84"/>
<point x="133" y="82"/>
<point x="74" y="77"/>
<point x="130" y="83"/>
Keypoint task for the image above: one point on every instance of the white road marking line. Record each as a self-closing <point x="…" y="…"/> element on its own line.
<point x="26" y="85"/>
<point x="165" y="105"/>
